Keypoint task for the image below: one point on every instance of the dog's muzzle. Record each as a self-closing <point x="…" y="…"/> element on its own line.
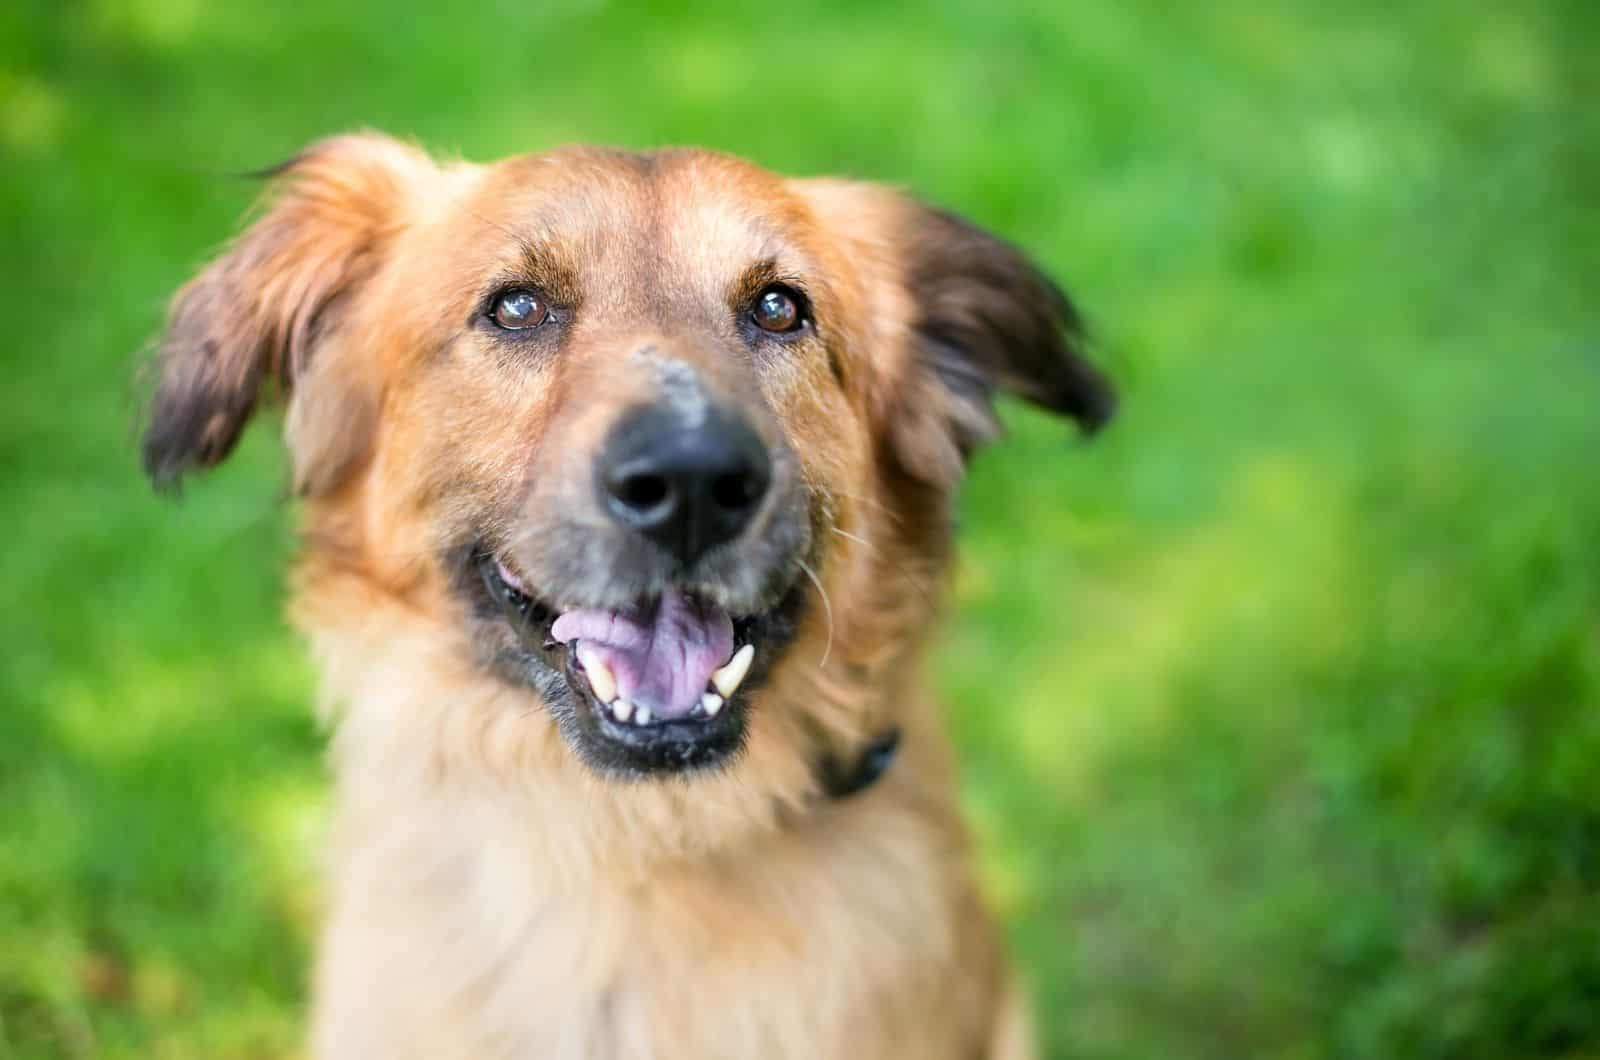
<point x="648" y="637"/>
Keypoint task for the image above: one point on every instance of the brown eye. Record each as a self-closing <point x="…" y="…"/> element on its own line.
<point x="777" y="309"/>
<point x="519" y="310"/>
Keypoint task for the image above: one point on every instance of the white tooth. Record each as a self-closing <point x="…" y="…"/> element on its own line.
<point x="622" y="710"/>
<point x="642" y="715"/>
<point x="710" y="702"/>
<point x="599" y="674"/>
<point x="729" y="677"/>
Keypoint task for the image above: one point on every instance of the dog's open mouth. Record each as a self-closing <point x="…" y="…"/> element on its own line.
<point x="671" y="660"/>
<point x="661" y="684"/>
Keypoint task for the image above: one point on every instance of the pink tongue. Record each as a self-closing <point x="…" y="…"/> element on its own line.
<point x="662" y="659"/>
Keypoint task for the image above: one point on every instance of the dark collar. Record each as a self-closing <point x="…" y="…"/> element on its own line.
<point x="844" y="778"/>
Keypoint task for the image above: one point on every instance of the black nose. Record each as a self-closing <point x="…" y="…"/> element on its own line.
<point x="686" y="485"/>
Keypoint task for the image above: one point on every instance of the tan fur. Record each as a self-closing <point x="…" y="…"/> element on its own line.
<point x="490" y="895"/>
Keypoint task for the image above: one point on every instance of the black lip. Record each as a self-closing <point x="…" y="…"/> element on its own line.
<point x="532" y="657"/>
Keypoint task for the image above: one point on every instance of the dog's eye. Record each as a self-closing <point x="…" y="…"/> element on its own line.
<point x="777" y="309"/>
<point x="519" y="310"/>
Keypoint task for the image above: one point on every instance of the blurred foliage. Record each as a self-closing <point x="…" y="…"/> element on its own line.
<point x="1279" y="705"/>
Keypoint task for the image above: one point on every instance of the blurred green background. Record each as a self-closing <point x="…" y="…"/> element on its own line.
<point x="1279" y="704"/>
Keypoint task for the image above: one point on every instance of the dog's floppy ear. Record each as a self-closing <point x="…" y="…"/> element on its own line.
<point x="955" y="314"/>
<point x="257" y="315"/>
<point x="984" y="319"/>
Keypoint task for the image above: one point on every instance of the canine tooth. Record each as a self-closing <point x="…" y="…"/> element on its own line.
<point x="731" y="675"/>
<point x="642" y="715"/>
<point x="599" y="674"/>
<point x="710" y="702"/>
<point x="622" y="710"/>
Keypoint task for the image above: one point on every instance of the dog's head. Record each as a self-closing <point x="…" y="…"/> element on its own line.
<point x="639" y="426"/>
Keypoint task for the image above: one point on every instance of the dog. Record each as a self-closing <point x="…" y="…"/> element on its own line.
<point x="626" y="482"/>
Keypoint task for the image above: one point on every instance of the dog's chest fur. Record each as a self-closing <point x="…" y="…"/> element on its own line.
<point x="477" y="915"/>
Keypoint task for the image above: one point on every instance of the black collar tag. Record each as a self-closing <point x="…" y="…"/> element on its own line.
<point x="840" y="780"/>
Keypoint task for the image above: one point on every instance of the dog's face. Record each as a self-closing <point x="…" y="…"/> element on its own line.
<point x="633" y="423"/>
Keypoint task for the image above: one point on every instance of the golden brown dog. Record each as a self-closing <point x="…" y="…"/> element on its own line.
<point x="623" y="477"/>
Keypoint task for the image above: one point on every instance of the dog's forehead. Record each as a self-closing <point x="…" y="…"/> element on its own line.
<point x="680" y="217"/>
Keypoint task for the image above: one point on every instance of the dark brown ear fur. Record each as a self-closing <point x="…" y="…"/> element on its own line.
<point x="985" y="319"/>
<point x="258" y="312"/>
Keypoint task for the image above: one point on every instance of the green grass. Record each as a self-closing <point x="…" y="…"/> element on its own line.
<point x="1279" y="705"/>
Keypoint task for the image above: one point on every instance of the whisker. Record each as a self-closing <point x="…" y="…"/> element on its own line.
<point x="900" y="568"/>
<point x="870" y="502"/>
<point x="522" y="241"/>
<point x="827" y="607"/>
<point x="848" y="536"/>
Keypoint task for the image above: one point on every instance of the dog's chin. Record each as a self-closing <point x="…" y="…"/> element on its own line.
<point x="659" y="686"/>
